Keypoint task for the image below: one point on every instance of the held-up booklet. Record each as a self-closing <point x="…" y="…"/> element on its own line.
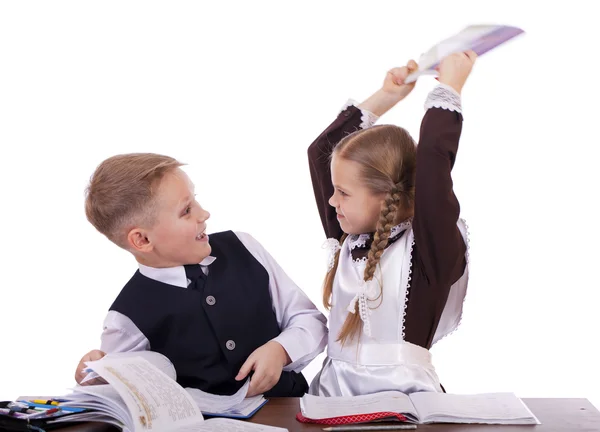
<point x="140" y="396"/>
<point x="479" y="38"/>
<point x="423" y="407"/>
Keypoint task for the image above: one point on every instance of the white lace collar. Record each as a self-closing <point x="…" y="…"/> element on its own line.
<point x="360" y="240"/>
<point x="356" y="240"/>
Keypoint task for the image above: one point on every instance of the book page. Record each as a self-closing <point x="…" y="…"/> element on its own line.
<point x="88" y="417"/>
<point x="160" y="361"/>
<point x="229" y="425"/>
<point x="493" y="408"/>
<point x="101" y="398"/>
<point x="156" y="402"/>
<point x="319" y="407"/>
<point x="248" y="406"/>
<point x="216" y="404"/>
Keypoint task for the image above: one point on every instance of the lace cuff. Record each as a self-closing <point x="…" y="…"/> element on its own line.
<point x="367" y="118"/>
<point x="445" y="97"/>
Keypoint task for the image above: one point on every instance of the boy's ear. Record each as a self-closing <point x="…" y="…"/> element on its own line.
<point x="137" y="239"/>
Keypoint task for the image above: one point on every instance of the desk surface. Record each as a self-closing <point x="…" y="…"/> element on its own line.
<point x="556" y="415"/>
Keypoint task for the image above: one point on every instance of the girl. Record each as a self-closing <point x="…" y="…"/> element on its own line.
<point x="398" y="272"/>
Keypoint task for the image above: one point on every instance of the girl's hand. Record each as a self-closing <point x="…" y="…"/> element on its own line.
<point x="455" y="69"/>
<point x="394" y="81"/>
<point x="392" y="91"/>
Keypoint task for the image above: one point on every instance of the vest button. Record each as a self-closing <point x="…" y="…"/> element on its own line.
<point x="210" y="300"/>
<point x="230" y="345"/>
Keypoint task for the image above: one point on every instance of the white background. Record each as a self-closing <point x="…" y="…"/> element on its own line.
<point x="238" y="91"/>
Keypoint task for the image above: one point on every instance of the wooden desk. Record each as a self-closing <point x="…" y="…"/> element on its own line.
<point x="556" y="415"/>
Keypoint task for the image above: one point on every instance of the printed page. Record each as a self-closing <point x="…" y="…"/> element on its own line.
<point x="160" y="361"/>
<point x="493" y="408"/>
<point x="229" y="425"/>
<point x="156" y="402"/>
<point x="318" y="407"/>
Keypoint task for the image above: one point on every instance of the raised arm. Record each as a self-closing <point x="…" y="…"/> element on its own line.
<point x="351" y="119"/>
<point x="440" y="244"/>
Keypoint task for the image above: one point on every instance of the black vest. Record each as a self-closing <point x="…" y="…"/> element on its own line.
<point x="209" y="335"/>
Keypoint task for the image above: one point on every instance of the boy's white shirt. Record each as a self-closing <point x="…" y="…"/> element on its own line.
<point x="304" y="327"/>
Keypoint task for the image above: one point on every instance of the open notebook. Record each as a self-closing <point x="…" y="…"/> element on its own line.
<point x="479" y="38"/>
<point x="142" y="395"/>
<point x="422" y="407"/>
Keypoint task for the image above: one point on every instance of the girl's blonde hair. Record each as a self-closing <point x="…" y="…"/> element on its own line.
<point x="387" y="156"/>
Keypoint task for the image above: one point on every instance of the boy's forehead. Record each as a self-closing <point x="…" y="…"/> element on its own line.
<point x="183" y="175"/>
<point x="175" y="187"/>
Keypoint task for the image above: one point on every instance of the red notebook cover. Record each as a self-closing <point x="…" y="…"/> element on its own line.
<point x="360" y="418"/>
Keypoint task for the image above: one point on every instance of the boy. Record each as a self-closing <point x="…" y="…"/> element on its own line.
<point x="233" y="314"/>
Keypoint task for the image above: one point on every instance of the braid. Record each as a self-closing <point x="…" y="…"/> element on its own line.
<point x="382" y="234"/>
<point x="352" y="326"/>
<point x="387" y="158"/>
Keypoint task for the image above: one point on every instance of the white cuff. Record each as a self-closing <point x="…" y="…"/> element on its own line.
<point x="445" y="97"/>
<point x="367" y="118"/>
<point x="293" y="349"/>
<point x="300" y="350"/>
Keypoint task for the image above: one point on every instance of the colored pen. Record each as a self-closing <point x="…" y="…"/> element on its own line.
<point x="22" y="410"/>
<point x="45" y="402"/>
<point x="36" y="405"/>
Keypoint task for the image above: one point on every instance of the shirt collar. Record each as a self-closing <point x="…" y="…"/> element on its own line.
<point x="172" y="275"/>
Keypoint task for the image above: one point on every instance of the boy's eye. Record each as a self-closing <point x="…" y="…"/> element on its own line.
<point x="188" y="210"/>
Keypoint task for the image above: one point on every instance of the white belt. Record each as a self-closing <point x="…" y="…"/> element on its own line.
<point x="404" y="353"/>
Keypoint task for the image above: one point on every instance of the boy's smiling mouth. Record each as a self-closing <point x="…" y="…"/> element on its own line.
<point x="202" y="236"/>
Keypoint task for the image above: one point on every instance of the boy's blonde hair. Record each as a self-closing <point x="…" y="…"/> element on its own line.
<point x="121" y="193"/>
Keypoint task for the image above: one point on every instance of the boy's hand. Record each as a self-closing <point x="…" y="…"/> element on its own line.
<point x="80" y="375"/>
<point x="267" y="362"/>
<point x="455" y="69"/>
<point x="393" y="83"/>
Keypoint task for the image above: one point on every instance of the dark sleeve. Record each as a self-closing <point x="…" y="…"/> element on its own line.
<point x="439" y="251"/>
<point x="441" y="248"/>
<point x="319" y="153"/>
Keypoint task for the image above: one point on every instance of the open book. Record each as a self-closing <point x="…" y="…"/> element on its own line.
<point x="142" y="395"/>
<point x="423" y="407"/>
<point x="479" y="38"/>
<point x="234" y="406"/>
